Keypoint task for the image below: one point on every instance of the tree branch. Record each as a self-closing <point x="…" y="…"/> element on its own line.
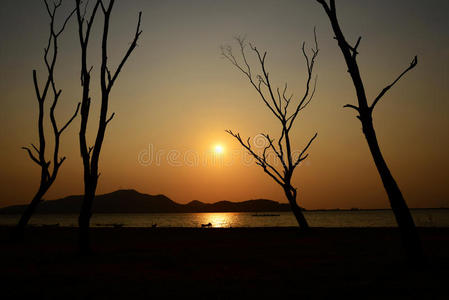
<point x="301" y="157"/>
<point x="325" y="6"/>
<point x="227" y="53"/>
<point x="261" y="161"/>
<point x="266" y="79"/>
<point x="110" y="118"/>
<point x="278" y="153"/>
<point x="36" y="86"/>
<point x="354" y="49"/>
<point x="413" y="64"/>
<point x="71" y="119"/>
<point x="352" y="106"/>
<point x="310" y="63"/>
<point x="65" y="22"/>
<point x="33" y="158"/>
<point x="128" y="53"/>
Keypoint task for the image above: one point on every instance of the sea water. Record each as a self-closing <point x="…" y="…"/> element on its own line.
<point x="362" y="218"/>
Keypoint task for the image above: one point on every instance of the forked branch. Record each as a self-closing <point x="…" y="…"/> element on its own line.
<point x="50" y="62"/>
<point x="33" y="158"/>
<point x="302" y="156"/>
<point x="350" y="53"/>
<point x="277" y="103"/>
<point x="71" y="119"/>
<point x="113" y="78"/>
<point x="261" y="160"/>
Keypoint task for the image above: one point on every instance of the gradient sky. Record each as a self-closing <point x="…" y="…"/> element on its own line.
<point x="177" y="94"/>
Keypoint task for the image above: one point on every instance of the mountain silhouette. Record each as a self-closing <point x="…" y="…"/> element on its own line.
<point x="131" y="201"/>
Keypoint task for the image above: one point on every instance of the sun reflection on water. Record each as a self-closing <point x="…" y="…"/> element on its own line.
<point x="218" y="220"/>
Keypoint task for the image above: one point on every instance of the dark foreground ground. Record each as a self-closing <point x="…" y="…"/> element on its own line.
<point x="274" y="263"/>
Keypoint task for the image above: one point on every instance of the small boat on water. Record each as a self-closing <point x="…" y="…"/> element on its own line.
<point x="113" y="225"/>
<point x="206" y="225"/>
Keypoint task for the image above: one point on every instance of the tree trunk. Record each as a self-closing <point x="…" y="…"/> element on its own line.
<point x="297" y="211"/>
<point x="84" y="219"/>
<point x="409" y="235"/>
<point x="19" y="231"/>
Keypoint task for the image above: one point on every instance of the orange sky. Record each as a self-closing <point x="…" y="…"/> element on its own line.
<point x="177" y="95"/>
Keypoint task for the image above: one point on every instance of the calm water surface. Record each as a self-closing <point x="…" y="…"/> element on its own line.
<point x="380" y="218"/>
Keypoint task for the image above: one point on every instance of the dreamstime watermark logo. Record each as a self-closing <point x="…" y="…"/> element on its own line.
<point x="260" y="141"/>
<point x="153" y="156"/>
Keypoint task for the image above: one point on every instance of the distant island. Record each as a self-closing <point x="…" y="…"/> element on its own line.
<point x="131" y="201"/>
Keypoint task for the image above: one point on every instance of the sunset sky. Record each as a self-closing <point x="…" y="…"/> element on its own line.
<point x="177" y="95"/>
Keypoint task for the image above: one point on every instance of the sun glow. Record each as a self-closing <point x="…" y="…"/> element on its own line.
<point x="218" y="149"/>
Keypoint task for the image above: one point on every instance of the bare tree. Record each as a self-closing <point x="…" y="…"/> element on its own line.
<point x="278" y="103"/>
<point x="400" y="209"/>
<point x="37" y="153"/>
<point x="91" y="155"/>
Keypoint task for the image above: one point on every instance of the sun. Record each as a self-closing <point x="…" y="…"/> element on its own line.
<point x="218" y="149"/>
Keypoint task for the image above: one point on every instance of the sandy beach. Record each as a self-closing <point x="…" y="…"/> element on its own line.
<point x="131" y="263"/>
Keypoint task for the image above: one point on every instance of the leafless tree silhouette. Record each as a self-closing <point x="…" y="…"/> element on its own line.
<point x="278" y="103"/>
<point x="37" y="153"/>
<point x="409" y="235"/>
<point x="91" y="155"/>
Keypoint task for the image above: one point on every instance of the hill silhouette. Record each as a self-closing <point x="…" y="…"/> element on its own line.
<point x="131" y="201"/>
